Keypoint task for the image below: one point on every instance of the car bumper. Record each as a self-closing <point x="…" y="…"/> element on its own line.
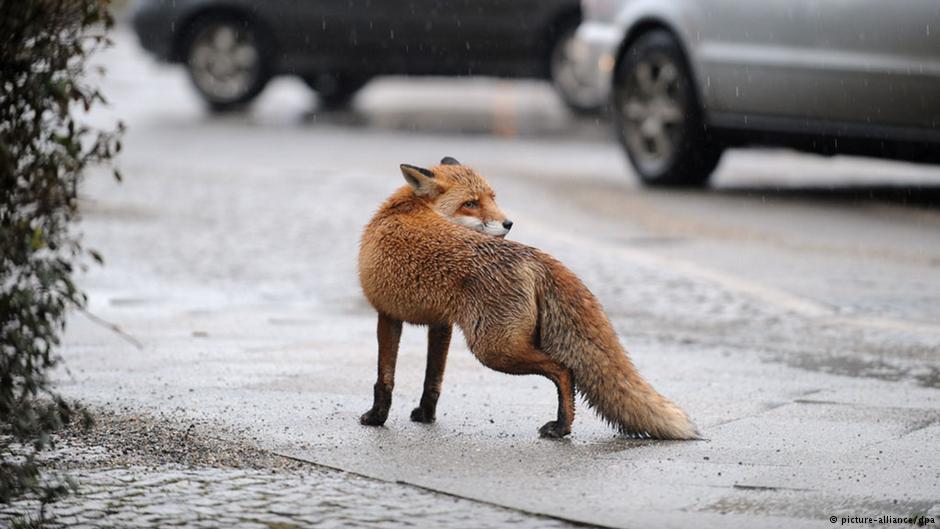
<point x="154" y="24"/>
<point x="597" y="51"/>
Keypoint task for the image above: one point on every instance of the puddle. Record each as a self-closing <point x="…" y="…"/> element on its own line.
<point x="923" y="375"/>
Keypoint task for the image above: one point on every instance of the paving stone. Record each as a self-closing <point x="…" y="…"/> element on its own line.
<point x="148" y="497"/>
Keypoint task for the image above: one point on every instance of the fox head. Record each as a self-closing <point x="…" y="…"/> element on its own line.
<point x="459" y="194"/>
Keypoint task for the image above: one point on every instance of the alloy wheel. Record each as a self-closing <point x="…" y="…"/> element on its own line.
<point x="652" y="105"/>
<point x="225" y="62"/>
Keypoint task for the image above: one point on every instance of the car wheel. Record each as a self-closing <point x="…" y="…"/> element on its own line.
<point x="657" y="116"/>
<point x="336" y="90"/>
<point x="570" y="74"/>
<point x="227" y="61"/>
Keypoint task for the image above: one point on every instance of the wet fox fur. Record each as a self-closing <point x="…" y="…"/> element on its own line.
<point x="434" y="254"/>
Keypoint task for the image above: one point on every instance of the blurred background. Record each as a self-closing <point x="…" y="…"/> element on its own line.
<point x="602" y="119"/>
<point x="679" y="82"/>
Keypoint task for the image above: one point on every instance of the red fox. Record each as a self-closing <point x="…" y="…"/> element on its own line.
<point x="435" y="254"/>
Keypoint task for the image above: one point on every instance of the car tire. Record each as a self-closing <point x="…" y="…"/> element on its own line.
<point x="228" y="60"/>
<point x="657" y="116"/>
<point x="568" y="75"/>
<point x="336" y="90"/>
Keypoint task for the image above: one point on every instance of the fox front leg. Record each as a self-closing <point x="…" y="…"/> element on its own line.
<point x="438" y="343"/>
<point x="388" y="333"/>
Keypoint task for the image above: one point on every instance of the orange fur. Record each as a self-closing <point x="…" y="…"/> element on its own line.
<point x="521" y="311"/>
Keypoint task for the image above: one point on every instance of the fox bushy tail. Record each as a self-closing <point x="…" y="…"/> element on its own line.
<point x="574" y="331"/>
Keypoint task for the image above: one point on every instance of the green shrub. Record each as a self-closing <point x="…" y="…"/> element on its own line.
<point x="44" y="150"/>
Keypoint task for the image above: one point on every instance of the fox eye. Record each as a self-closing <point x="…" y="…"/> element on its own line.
<point x="471" y="204"/>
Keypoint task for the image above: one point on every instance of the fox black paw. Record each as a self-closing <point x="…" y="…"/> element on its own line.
<point x="374" y="417"/>
<point x="420" y="414"/>
<point x="554" y="430"/>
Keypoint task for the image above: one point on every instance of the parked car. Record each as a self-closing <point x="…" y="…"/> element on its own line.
<point x="688" y="78"/>
<point x="231" y="48"/>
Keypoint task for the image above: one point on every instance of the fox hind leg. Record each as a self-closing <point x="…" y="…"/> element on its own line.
<point x="526" y="359"/>
<point x="388" y="333"/>
<point x="561" y="427"/>
<point x="438" y="343"/>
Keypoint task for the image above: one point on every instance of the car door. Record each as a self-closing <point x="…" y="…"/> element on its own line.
<point x="744" y="54"/>
<point x="421" y="33"/>
<point x="862" y="61"/>
<point x="337" y="35"/>
<point x="466" y="37"/>
<point x="875" y="62"/>
<point x="497" y="33"/>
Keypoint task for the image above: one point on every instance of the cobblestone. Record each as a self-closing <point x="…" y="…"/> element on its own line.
<point x="270" y="492"/>
<point x="213" y="497"/>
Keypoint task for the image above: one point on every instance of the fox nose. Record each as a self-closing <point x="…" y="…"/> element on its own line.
<point x="507" y="224"/>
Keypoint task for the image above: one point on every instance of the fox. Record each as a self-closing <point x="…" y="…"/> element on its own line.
<point x="435" y="254"/>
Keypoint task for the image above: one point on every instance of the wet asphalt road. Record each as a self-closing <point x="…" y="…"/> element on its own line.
<point x="793" y="310"/>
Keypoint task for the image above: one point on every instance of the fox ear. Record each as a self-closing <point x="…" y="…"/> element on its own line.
<point x="449" y="161"/>
<point x="420" y="179"/>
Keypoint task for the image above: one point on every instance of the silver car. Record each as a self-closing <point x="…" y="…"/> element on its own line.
<point x="688" y="78"/>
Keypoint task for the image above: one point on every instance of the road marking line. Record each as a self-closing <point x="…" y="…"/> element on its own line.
<point x="772" y="296"/>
